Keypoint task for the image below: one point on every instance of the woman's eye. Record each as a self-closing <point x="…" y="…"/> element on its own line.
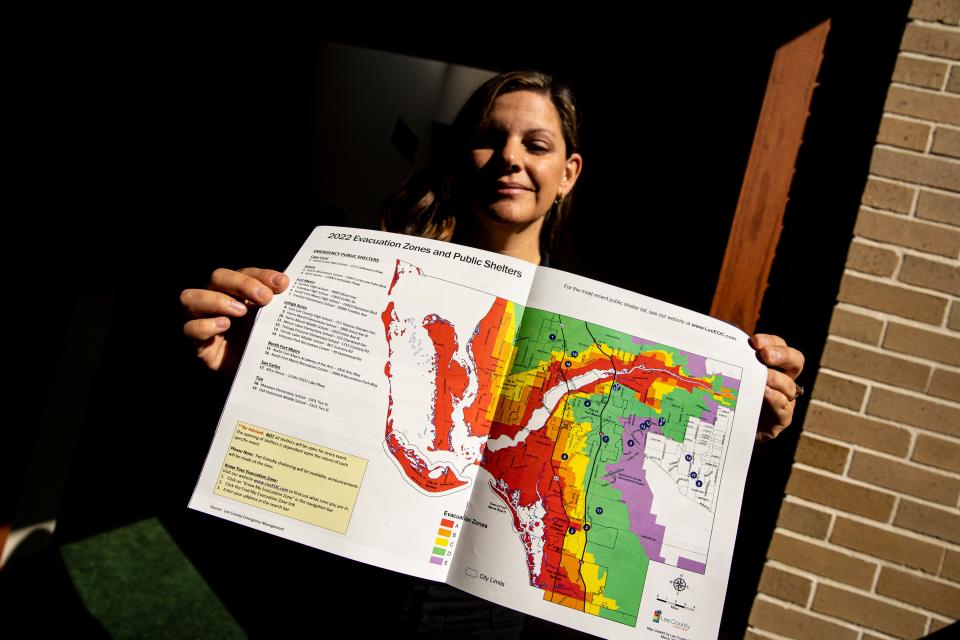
<point x="538" y="147"/>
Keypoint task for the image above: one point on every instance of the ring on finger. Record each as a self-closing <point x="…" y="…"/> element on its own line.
<point x="798" y="393"/>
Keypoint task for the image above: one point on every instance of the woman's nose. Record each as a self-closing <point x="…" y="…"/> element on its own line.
<point x="508" y="156"/>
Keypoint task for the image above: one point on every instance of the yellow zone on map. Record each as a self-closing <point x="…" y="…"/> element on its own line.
<point x="503" y="356"/>
<point x="291" y="477"/>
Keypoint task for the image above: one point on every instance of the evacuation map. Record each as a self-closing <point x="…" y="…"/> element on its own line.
<point x="606" y="448"/>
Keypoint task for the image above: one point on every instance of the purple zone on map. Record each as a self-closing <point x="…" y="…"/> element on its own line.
<point x="691" y="565"/>
<point x="710" y="415"/>
<point x="636" y="493"/>
<point x="635" y="490"/>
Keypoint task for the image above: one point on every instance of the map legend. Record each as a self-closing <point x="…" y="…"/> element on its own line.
<point x="442" y="545"/>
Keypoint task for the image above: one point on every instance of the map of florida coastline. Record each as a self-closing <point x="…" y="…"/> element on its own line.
<point x="449" y="351"/>
<point x="606" y="448"/>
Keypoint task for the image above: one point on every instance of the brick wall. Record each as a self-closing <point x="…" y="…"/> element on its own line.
<point x="867" y="543"/>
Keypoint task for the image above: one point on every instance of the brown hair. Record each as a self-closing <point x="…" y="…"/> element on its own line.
<point x="428" y="203"/>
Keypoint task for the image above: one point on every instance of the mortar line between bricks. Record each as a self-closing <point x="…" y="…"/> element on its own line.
<point x="912" y="185"/>
<point x="942" y="323"/>
<point x="763" y="633"/>
<point x="813" y="591"/>
<point x="864" y="311"/>
<point x="912" y="447"/>
<point x="902" y="251"/>
<point x="909" y="357"/>
<point x="866" y="485"/>
<point x="903" y="285"/>
<point x="889" y="527"/>
<point x="866" y="399"/>
<point x="939" y="617"/>
<point x="878" y="634"/>
<point x="796" y="571"/>
<point x="896" y="277"/>
<point x="909" y="427"/>
<point x="883" y="316"/>
<point x="928" y="57"/>
<point x="816" y="614"/>
<point x="846" y="463"/>
<point x="830" y="582"/>
<point x="947" y="125"/>
<point x="912" y="430"/>
<point x="906" y="117"/>
<point x="879" y="349"/>
<point x="915" y="203"/>
<point x="860" y="447"/>
<point x="892" y="518"/>
<point x="840" y="621"/>
<point x="810" y="468"/>
<point x="919" y="88"/>
<point x="899" y="216"/>
<point x="937" y="26"/>
<point x="915" y="431"/>
<point x="857" y="447"/>
<point x="917" y="154"/>
<point x="883" y="326"/>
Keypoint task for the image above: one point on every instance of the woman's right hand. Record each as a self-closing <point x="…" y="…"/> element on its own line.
<point x="222" y="314"/>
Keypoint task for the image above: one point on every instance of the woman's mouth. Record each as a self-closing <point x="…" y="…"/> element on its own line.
<point x="511" y="188"/>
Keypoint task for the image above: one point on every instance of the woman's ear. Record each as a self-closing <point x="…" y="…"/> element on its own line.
<point x="571" y="172"/>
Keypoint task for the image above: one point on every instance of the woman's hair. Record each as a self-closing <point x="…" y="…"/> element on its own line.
<point x="430" y="200"/>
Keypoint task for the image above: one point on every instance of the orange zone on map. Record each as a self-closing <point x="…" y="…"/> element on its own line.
<point x="484" y="347"/>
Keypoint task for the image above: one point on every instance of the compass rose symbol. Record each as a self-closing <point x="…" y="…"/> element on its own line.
<point x="679" y="584"/>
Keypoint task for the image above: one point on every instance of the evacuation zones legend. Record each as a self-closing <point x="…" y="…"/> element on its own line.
<point x="291" y="477"/>
<point x="446" y="539"/>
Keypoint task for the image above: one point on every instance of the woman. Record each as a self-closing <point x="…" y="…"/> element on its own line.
<point x="503" y="184"/>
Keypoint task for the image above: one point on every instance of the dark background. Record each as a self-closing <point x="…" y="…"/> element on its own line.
<point x="148" y="158"/>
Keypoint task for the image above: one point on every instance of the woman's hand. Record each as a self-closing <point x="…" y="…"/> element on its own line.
<point x="780" y="396"/>
<point x="230" y="295"/>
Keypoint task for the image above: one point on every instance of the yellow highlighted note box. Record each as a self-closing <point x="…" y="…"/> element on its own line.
<point x="292" y="477"/>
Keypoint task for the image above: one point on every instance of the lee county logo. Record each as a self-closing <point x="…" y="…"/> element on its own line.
<point x="658" y="617"/>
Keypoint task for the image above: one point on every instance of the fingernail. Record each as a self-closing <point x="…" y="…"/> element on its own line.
<point x="774" y="355"/>
<point x="222" y="323"/>
<point x="238" y="307"/>
<point x="277" y="280"/>
<point x="262" y="293"/>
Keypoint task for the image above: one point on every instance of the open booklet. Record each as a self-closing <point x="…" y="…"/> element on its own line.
<point x="554" y="444"/>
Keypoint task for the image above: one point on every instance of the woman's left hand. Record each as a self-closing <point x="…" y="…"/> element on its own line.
<point x="780" y="395"/>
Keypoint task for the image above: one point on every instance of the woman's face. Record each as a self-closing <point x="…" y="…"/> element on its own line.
<point x="520" y="164"/>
